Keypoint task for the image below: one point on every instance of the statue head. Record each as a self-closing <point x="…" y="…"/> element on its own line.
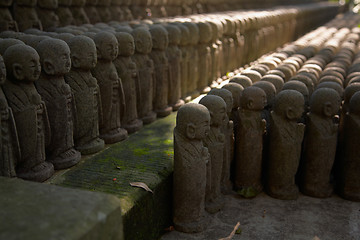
<point x="253" y="98"/>
<point x="274" y="79"/>
<point x="83" y="52"/>
<point x="289" y="104"/>
<point x="226" y="95"/>
<point x="255" y="76"/>
<point x="306" y="80"/>
<point x="7" y="42"/>
<point x="174" y="34"/>
<point x="298" y="86"/>
<point x="333" y="85"/>
<point x="143" y="41"/>
<point x="243" y="80"/>
<point x="325" y="102"/>
<point x="269" y="90"/>
<point x="236" y="91"/>
<point x="49" y="4"/>
<point x="160" y="37"/>
<point x="354" y="104"/>
<point x="126" y="44"/>
<point x="217" y="109"/>
<point x="54" y="56"/>
<point x="193" y="121"/>
<point x="22" y="63"/>
<point x="107" y="47"/>
<point x="2" y="71"/>
<point x="205" y="32"/>
<point x="194" y="34"/>
<point x="350" y="90"/>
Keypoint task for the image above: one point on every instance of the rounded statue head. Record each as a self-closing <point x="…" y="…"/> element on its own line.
<point x="83" y="52"/>
<point x="226" y="95"/>
<point x="48" y="4"/>
<point x="2" y="71"/>
<point x="7" y="42"/>
<point x="143" y="41"/>
<point x="193" y="121"/>
<point x="350" y="91"/>
<point x="126" y="44"/>
<point x="252" y="74"/>
<point x="298" y="86"/>
<point x="205" y="32"/>
<point x="306" y="80"/>
<point x="269" y="90"/>
<point x="217" y="109"/>
<point x="253" y="98"/>
<point x="274" y="79"/>
<point x="174" y="34"/>
<point x="289" y="104"/>
<point x="354" y="104"/>
<point x="243" y="80"/>
<point x="236" y="91"/>
<point x="194" y="33"/>
<point x="333" y="85"/>
<point x="54" y="56"/>
<point x="22" y="63"/>
<point x="107" y="47"/>
<point x="325" y="102"/>
<point x="160" y="37"/>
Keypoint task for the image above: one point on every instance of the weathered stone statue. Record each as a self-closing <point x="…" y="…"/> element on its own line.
<point x="25" y="15"/>
<point x="236" y="91"/>
<point x="228" y="130"/>
<point x="47" y="15"/>
<point x="285" y="138"/>
<point x="111" y="88"/>
<point x="243" y="80"/>
<point x="92" y="11"/>
<point x="55" y="61"/>
<point x="6" y="20"/>
<point x="86" y="95"/>
<point x="173" y="54"/>
<point x="214" y="141"/>
<point x="320" y="143"/>
<point x="204" y="56"/>
<point x="160" y="41"/>
<point x="249" y="145"/>
<point x="350" y="180"/>
<point x="145" y="67"/>
<point x="103" y="8"/>
<point x="128" y="74"/>
<point x="79" y="14"/>
<point x="23" y="69"/>
<point x="64" y="13"/>
<point x="128" y="16"/>
<point x="9" y="143"/>
<point x="117" y="13"/>
<point x="190" y="164"/>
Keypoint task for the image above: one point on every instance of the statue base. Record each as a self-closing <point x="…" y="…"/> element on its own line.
<point x="93" y="147"/>
<point x="318" y="191"/>
<point x="114" y="136"/>
<point x="66" y="159"/>
<point x="177" y="105"/>
<point x="39" y="173"/>
<point x="133" y="126"/>
<point x="151" y="117"/>
<point x="289" y="193"/>
<point x="163" y="112"/>
<point x="214" y="206"/>
<point x="193" y="227"/>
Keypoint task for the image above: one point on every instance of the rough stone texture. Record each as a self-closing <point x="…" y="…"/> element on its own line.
<point x="265" y="218"/>
<point x="63" y="213"/>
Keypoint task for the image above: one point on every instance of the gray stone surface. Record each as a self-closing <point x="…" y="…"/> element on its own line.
<point x="45" y="212"/>
<point x="266" y="218"/>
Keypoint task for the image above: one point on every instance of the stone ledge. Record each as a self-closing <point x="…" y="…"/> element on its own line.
<point x="43" y="212"/>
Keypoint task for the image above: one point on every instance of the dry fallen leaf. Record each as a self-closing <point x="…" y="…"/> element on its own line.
<point x="141" y="185"/>
<point x="232" y="233"/>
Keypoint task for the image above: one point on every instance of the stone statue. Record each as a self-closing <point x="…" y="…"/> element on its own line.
<point x="63" y="12"/>
<point x="214" y="141"/>
<point x="25" y="14"/>
<point x="8" y="42"/>
<point x="174" y="57"/>
<point x="47" y="15"/>
<point x="78" y="12"/>
<point x="23" y="69"/>
<point x="204" y="56"/>
<point x="128" y="74"/>
<point x="350" y="165"/>
<point x="86" y="94"/>
<point x="160" y="41"/>
<point x="249" y="145"/>
<point x="91" y="11"/>
<point x="236" y="91"/>
<point x="243" y="80"/>
<point x="9" y="143"/>
<point x="274" y="79"/>
<point x="320" y="143"/>
<point x="128" y="16"/>
<point x="285" y="138"/>
<point x="145" y="67"/>
<point x="190" y="164"/>
<point x="104" y="10"/>
<point x="55" y="62"/>
<point x="111" y="88"/>
<point x="117" y="13"/>
<point x="228" y="130"/>
<point x="6" y="20"/>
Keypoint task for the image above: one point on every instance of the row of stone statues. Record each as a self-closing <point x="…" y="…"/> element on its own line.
<point x="24" y="14"/>
<point x="274" y="126"/>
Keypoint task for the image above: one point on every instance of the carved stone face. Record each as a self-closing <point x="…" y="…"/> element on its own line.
<point x="128" y="46"/>
<point x="86" y="59"/>
<point x="143" y="42"/>
<point x="260" y="101"/>
<point x="63" y="61"/>
<point x="160" y="38"/>
<point x="31" y="66"/>
<point x="202" y="128"/>
<point x="2" y="71"/>
<point x="108" y="49"/>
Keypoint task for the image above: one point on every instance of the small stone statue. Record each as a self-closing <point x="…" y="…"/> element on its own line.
<point x="55" y="61"/>
<point x="47" y="15"/>
<point x="285" y="138"/>
<point x="249" y="145"/>
<point x="63" y="12"/>
<point x="320" y="142"/>
<point x="160" y="41"/>
<point x="111" y="88"/>
<point x="6" y="20"/>
<point x="190" y="160"/>
<point x="23" y="69"/>
<point x="350" y="166"/>
<point x="91" y="11"/>
<point x="117" y="13"/>
<point x="79" y="14"/>
<point x="9" y="143"/>
<point x="204" y="56"/>
<point x="25" y="15"/>
<point x="174" y="56"/>
<point x="103" y="8"/>
<point x="236" y="91"/>
<point x="126" y="69"/>
<point x="214" y="141"/>
<point x="145" y="67"/>
<point x="128" y="16"/>
<point x="86" y="95"/>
